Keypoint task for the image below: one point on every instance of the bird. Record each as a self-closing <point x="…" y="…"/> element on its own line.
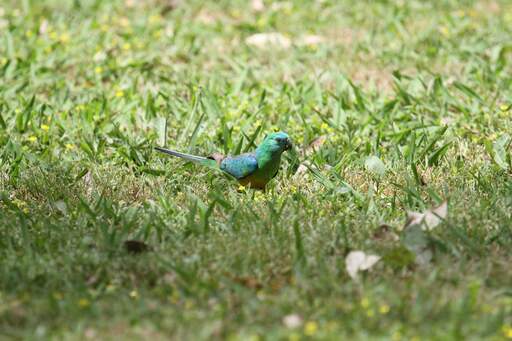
<point x="254" y="169"/>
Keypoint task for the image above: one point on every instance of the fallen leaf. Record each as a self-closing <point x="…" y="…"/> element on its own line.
<point x="257" y="5"/>
<point x="358" y="261"/>
<point x="429" y="219"/>
<point x="315" y="145"/>
<point x="268" y="40"/>
<point x="292" y="321"/>
<point x="311" y="40"/>
<point x="135" y="246"/>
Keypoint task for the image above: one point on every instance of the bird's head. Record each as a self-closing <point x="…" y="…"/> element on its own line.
<point x="277" y="142"/>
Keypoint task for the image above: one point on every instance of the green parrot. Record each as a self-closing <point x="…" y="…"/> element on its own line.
<point x="254" y="169"/>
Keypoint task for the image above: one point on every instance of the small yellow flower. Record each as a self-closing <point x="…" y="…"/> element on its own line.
<point x="365" y="303"/>
<point x="25" y="210"/>
<point x="444" y="31"/>
<point x="241" y="188"/>
<point x="124" y="22"/>
<point x="120" y="93"/>
<point x="54" y="35"/>
<point x="370" y="313"/>
<point x="154" y="18"/>
<point x="70" y="146"/>
<point x="104" y="28"/>
<point x="64" y="38"/>
<point x="324" y="126"/>
<point x="157" y="34"/>
<point x="3" y="61"/>
<point x="384" y="309"/>
<point x="98" y="69"/>
<point x="29" y="33"/>
<point x="83" y="303"/>
<point x="126" y="46"/>
<point x="310" y="328"/>
<point x="504" y="107"/>
<point x="32" y="138"/>
<point x="507" y="331"/>
<point x="134" y="294"/>
<point x="45" y="127"/>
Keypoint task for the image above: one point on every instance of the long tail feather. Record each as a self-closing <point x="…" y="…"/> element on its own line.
<point x="194" y="158"/>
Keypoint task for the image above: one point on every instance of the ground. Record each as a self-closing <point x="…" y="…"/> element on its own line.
<point x="393" y="106"/>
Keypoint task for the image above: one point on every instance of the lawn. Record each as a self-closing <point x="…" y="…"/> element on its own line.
<point x="393" y="106"/>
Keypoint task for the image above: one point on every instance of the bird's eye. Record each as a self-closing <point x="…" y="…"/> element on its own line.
<point x="279" y="140"/>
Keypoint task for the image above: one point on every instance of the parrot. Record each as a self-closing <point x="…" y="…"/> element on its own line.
<point x="254" y="169"/>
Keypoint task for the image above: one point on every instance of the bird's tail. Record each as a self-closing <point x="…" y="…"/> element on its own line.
<point x="194" y="158"/>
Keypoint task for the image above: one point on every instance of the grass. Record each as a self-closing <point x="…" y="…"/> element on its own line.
<point x="413" y="99"/>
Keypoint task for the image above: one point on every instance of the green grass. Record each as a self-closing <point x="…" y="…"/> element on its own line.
<point x="88" y="87"/>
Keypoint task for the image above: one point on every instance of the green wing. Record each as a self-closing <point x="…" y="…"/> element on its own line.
<point x="240" y="166"/>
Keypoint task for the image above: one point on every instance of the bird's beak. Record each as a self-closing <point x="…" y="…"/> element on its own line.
<point x="288" y="145"/>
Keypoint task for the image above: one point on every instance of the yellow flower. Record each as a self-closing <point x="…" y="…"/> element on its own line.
<point x="124" y="22"/>
<point x="507" y="331"/>
<point x="324" y="126"/>
<point x="98" y="69"/>
<point x="64" y="38"/>
<point x="384" y="309"/>
<point x="157" y="34"/>
<point x="53" y="35"/>
<point x="134" y="294"/>
<point x="70" y="146"/>
<point x="3" y="61"/>
<point x="104" y="28"/>
<point x="45" y="127"/>
<point x="370" y="313"/>
<point x="83" y="303"/>
<point x="365" y="302"/>
<point x="127" y="46"/>
<point x="32" y="138"/>
<point x="29" y="33"/>
<point x="444" y="31"/>
<point x="154" y="18"/>
<point x="504" y="107"/>
<point x="310" y="328"/>
<point x="241" y="188"/>
<point x="120" y="93"/>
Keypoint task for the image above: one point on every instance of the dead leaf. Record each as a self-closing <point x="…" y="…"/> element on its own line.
<point x="303" y="168"/>
<point x="269" y="40"/>
<point x="257" y="5"/>
<point x="292" y="321"/>
<point x="429" y="219"/>
<point x="310" y="40"/>
<point x="136" y="247"/>
<point x="358" y="261"/>
<point x="315" y="145"/>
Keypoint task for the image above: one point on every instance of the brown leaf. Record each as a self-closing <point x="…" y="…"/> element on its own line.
<point x="429" y="219"/>
<point x="315" y="145"/>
